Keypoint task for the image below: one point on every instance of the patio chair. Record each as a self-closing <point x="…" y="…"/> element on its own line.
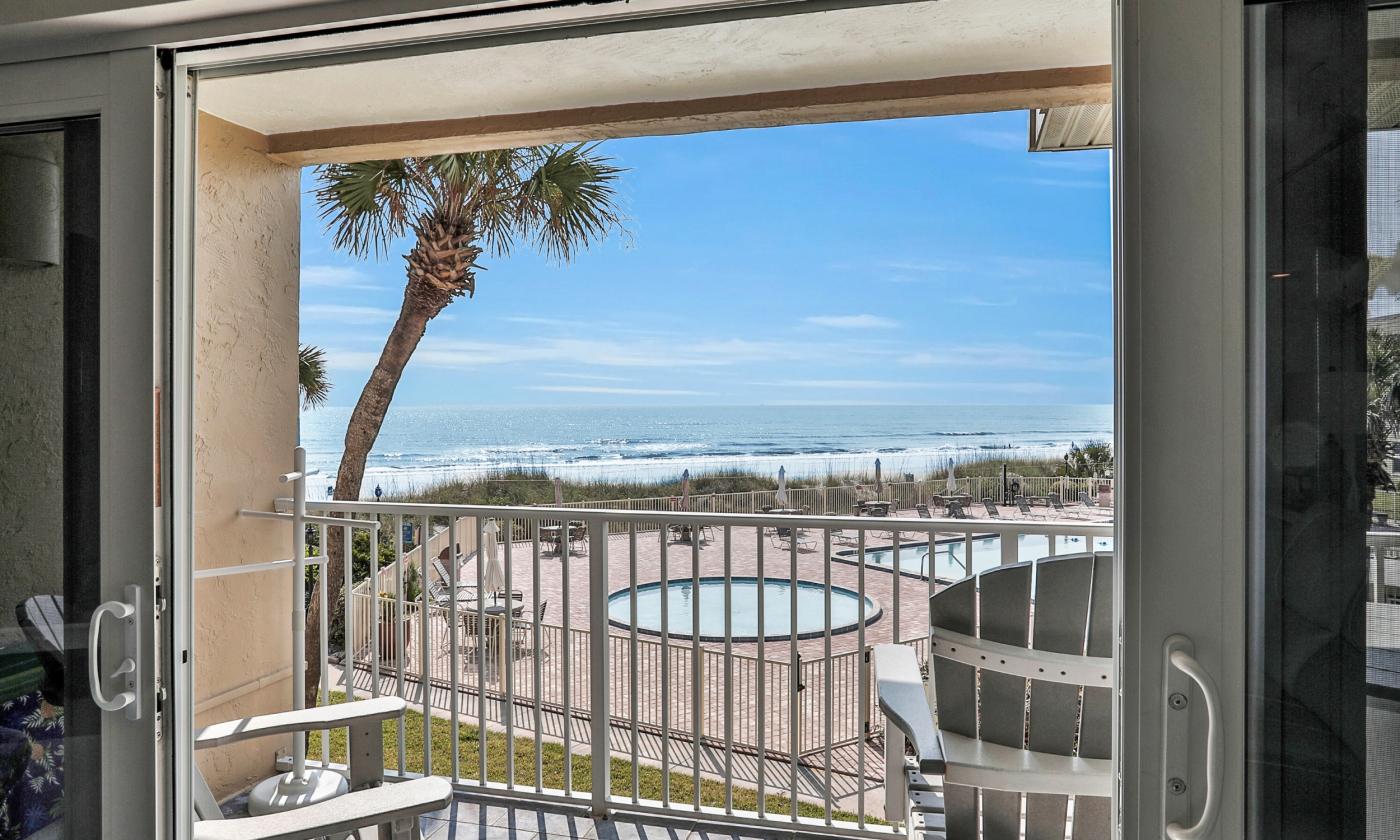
<point x="1024" y="507"/>
<point x="841" y="535"/>
<point x="923" y="512"/>
<point x="441" y="591"/>
<point x="780" y="537"/>
<point x="1087" y="501"/>
<point x="939" y="502"/>
<point x="1059" y="506"/>
<point x="522" y="629"/>
<point x="1012" y="736"/>
<point x="371" y="810"/>
<point x="578" y="532"/>
<point x="991" y="507"/>
<point x="955" y="510"/>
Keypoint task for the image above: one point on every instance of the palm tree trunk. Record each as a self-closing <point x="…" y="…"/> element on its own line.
<point x="360" y="436"/>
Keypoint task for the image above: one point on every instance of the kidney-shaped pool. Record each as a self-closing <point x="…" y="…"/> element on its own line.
<point x="682" y="598"/>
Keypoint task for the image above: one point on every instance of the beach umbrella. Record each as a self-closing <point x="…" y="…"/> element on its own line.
<point x="782" y="497"/>
<point x="879" y="485"/>
<point x="952" y="481"/>
<point x="685" y="490"/>
<point x="558" y="492"/>
<point x="494" y="572"/>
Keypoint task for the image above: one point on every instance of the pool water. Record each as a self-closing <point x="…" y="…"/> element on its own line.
<point x="682" y="598"/>
<point x="949" y="560"/>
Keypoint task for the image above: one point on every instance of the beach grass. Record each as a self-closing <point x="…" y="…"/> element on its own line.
<point x="649" y="779"/>
<point x="534" y="486"/>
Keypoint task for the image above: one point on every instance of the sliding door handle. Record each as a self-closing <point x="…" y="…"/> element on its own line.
<point x="128" y="613"/>
<point x="1180" y="672"/>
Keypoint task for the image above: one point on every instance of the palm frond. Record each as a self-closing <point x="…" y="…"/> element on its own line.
<point x="313" y="381"/>
<point x="570" y="199"/>
<point x="366" y="205"/>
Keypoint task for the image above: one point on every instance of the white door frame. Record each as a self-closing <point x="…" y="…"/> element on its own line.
<point x="1182" y="385"/>
<point x="121" y="90"/>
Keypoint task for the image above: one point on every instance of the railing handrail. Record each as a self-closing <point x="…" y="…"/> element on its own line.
<point x="777" y="520"/>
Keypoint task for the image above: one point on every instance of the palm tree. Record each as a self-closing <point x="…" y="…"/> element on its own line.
<point x="312" y="380"/>
<point x="558" y="199"/>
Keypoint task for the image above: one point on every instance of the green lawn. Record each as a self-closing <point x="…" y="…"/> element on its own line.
<point x="552" y="761"/>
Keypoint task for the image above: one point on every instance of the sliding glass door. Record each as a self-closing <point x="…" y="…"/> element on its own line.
<point x="80" y="738"/>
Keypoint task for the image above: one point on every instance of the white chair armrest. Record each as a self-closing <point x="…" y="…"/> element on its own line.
<point x="375" y="806"/>
<point x="900" y="689"/>
<point x="306" y="720"/>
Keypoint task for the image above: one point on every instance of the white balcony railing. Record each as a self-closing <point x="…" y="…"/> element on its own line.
<point x="608" y="672"/>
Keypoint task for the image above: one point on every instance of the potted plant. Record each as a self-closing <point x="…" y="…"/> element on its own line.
<point x="412" y="591"/>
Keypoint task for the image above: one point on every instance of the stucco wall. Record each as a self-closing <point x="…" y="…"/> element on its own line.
<point x="246" y="275"/>
<point x="31" y="419"/>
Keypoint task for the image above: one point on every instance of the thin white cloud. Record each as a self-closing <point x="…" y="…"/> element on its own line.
<point x="589" y="377"/>
<point x="903" y="385"/>
<point x="1070" y="335"/>
<point x="852" y="322"/>
<point x="336" y="276"/>
<point x="977" y="300"/>
<point x="647" y="353"/>
<point x="604" y="389"/>
<point x="1010" y="141"/>
<point x="1008" y="356"/>
<point x="344" y="314"/>
<point x="924" y="266"/>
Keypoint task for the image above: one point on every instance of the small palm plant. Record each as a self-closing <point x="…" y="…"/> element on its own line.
<point x="312" y="380"/>
<point x="558" y="199"/>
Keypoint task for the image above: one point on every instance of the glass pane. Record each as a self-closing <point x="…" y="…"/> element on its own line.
<point x="1383" y="352"/>
<point x="48" y="577"/>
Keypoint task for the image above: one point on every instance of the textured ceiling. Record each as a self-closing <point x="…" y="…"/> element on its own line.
<point x="872" y="44"/>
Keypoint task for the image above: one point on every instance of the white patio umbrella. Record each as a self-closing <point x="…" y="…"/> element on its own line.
<point x="782" y="497"/>
<point x="879" y="484"/>
<point x="685" y="490"/>
<point x="952" y="487"/>
<point x="494" y="572"/>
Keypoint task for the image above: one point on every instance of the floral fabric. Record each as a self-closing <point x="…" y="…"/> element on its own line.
<point x="31" y="765"/>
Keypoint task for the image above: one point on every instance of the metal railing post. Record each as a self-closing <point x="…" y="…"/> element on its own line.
<point x="599" y="672"/>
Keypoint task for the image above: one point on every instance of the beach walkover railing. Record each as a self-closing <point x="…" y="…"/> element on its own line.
<point x="724" y="652"/>
<point x="841" y="499"/>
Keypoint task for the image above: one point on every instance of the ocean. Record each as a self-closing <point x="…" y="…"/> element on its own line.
<point x="423" y="445"/>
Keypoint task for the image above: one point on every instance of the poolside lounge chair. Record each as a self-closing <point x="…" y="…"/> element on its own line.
<point x="782" y="536"/>
<point x="1087" y="501"/>
<point x="1025" y="508"/>
<point x="922" y="511"/>
<point x="1059" y="506"/>
<point x="955" y="510"/>
<point x="991" y="507"/>
<point x="1013" y="739"/>
<point x="441" y="591"/>
<point x="841" y="534"/>
<point x="371" y="810"/>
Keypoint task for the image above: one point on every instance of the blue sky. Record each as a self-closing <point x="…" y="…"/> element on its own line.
<point x="917" y="261"/>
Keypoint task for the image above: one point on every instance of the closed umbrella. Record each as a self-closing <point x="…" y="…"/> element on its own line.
<point x="952" y="481"/>
<point x="879" y="485"/>
<point x="685" y="490"/>
<point x="782" y="497"/>
<point x="494" y="572"/>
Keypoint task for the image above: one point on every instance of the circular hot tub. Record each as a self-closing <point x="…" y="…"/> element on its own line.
<point x="682" y="598"/>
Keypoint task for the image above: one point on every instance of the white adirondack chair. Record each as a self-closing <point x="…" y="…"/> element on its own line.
<point x="1022" y="686"/>
<point x="371" y="810"/>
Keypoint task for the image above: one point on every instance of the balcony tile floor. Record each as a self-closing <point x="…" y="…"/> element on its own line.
<point x="467" y="819"/>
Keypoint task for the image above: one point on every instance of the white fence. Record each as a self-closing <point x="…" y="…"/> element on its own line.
<point x="701" y="699"/>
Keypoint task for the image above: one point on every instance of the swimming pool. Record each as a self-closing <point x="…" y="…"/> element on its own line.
<point x="949" y="555"/>
<point x="681" y="598"/>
